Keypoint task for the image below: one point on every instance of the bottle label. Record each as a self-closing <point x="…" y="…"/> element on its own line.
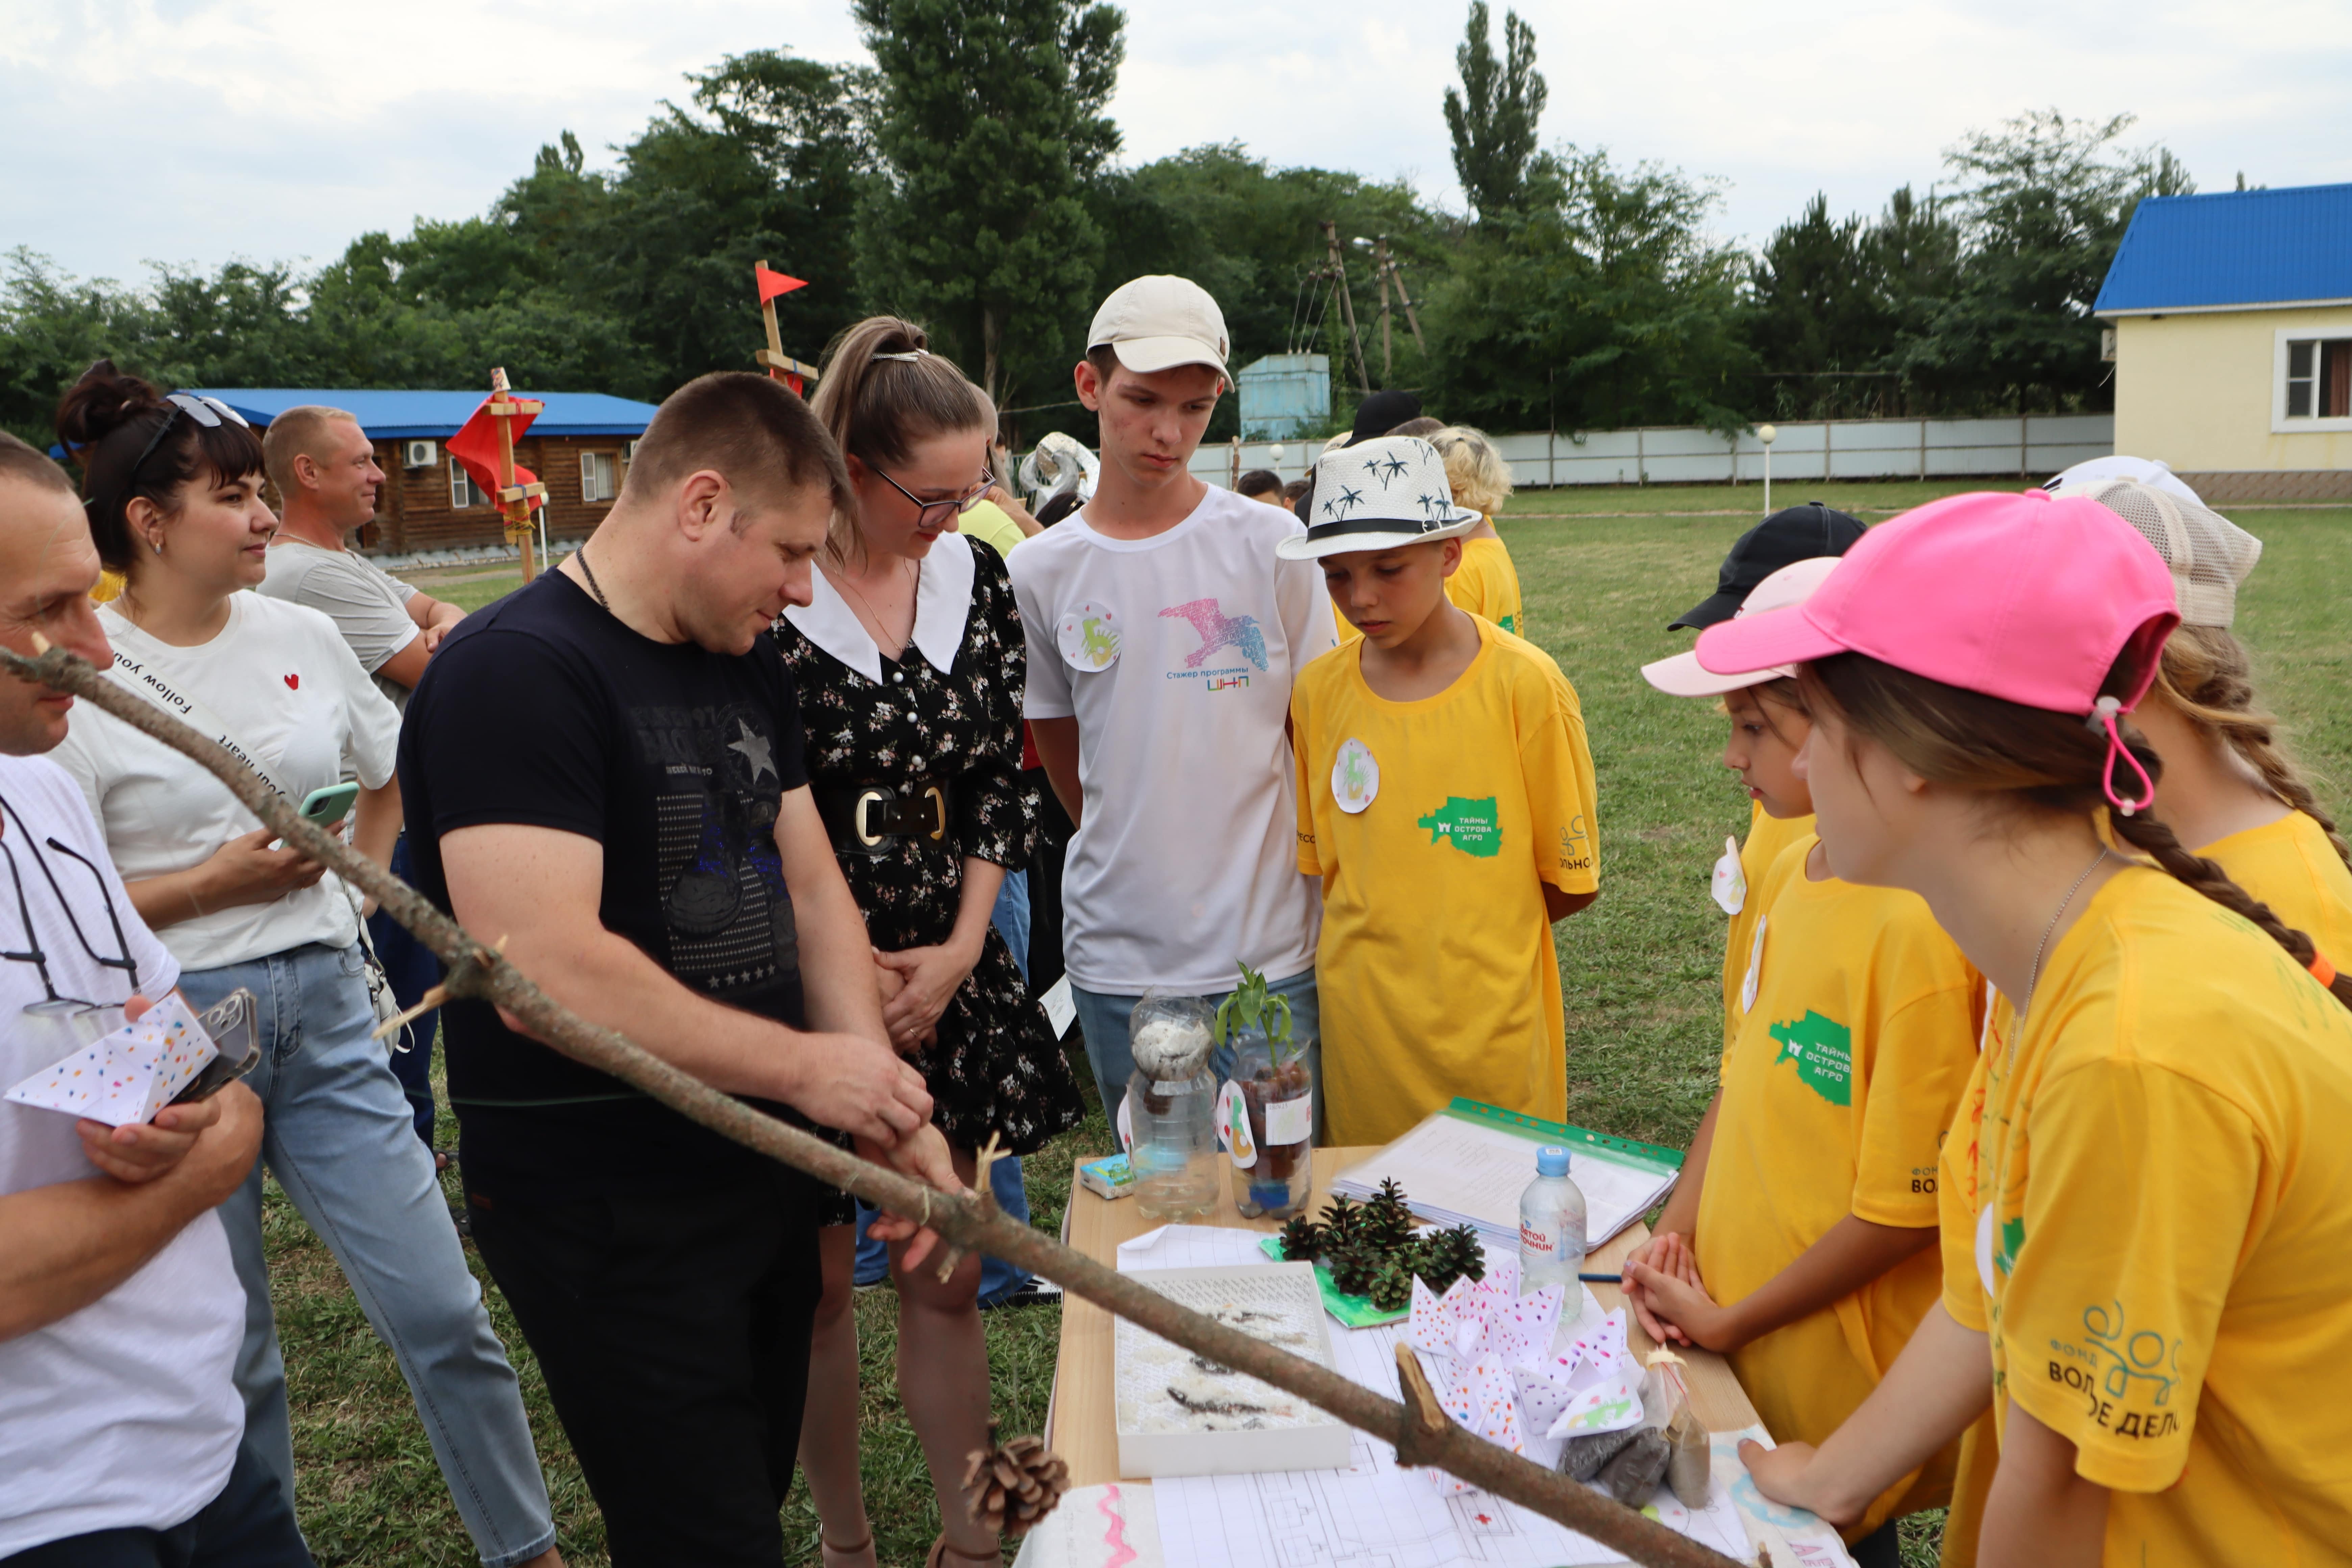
<point x="1536" y="1241"/>
<point x="1290" y="1120"/>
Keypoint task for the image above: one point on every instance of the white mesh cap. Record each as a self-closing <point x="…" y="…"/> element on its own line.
<point x="2209" y="554"/>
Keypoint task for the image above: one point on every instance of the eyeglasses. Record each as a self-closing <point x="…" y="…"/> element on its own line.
<point x="207" y="412"/>
<point x="52" y="1004"/>
<point x="935" y="513"/>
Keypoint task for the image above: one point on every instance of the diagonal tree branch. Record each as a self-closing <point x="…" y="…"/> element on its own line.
<point x="1421" y="1433"/>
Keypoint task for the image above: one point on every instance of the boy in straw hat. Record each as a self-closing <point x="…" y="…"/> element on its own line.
<point x="1445" y="798"/>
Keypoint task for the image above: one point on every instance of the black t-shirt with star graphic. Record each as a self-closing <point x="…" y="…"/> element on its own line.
<point x="544" y="710"/>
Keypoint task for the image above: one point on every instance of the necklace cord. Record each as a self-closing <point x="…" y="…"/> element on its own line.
<point x="2033" y="975"/>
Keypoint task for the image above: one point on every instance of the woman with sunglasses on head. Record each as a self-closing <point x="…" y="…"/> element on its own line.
<point x="174" y="503"/>
<point x="909" y="666"/>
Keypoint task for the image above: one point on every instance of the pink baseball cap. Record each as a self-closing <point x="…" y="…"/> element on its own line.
<point x="1684" y="676"/>
<point x="2029" y="598"/>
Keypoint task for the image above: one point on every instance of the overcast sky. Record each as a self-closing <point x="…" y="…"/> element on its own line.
<point x="194" y="131"/>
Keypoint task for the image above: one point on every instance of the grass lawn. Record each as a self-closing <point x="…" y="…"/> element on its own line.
<point x="1639" y="969"/>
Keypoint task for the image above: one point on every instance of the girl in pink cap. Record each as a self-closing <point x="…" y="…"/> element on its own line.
<point x="2147" y="1260"/>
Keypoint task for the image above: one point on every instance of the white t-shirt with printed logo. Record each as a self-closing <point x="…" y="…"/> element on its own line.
<point x="123" y="1415"/>
<point x="1185" y="865"/>
<point x="281" y="679"/>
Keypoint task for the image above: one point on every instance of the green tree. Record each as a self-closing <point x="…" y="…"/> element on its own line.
<point x="1820" y="321"/>
<point x="1492" y="118"/>
<point x="2042" y="204"/>
<point x="988" y="117"/>
<point x="1604" y="304"/>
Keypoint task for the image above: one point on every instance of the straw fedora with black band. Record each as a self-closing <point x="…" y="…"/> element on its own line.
<point x="1382" y="494"/>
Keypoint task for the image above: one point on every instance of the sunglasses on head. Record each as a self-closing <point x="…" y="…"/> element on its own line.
<point x="207" y="412"/>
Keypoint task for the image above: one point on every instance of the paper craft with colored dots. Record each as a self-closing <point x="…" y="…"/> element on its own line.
<point x="129" y="1075"/>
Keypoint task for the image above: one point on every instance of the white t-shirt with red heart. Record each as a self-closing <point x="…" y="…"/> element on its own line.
<point x="282" y="683"/>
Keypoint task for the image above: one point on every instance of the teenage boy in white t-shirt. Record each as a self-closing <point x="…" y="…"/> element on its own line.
<point x="1163" y="641"/>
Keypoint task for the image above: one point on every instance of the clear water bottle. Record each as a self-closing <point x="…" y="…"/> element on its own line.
<point x="1551" y="1225"/>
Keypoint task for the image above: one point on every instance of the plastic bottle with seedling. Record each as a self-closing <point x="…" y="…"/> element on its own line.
<point x="1266" y="1113"/>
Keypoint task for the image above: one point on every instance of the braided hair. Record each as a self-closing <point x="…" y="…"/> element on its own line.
<point x="2207" y="676"/>
<point x="1965" y="739"/>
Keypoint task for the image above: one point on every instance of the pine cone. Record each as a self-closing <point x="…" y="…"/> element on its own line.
<point x="1391" y="1287"/>
<point x="1302" y="1241"/>
<point x="1352" y="1266"/>
<point x="1388" y="1220"/>
<point x="1342" y="1223"/>
<point x="1009" y="1487"/>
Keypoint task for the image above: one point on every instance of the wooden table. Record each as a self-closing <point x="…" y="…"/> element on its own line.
<point x="1080" y="1425"/>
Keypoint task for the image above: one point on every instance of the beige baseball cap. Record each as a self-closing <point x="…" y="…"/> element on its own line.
<point x="1160" y="322"/>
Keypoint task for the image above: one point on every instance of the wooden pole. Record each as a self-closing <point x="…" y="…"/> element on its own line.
<point x="1421" y="1432"/>
<point x="1396" y="270"/>
<point x="513" y="499"/>
<point x="1380" y="273"/>
<point x="780" y="365"/>
<point x="1338" y="267"/>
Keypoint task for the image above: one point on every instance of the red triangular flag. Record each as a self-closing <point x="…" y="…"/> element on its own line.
<point x="773" y="283"/>
<point x="476" y="448"/>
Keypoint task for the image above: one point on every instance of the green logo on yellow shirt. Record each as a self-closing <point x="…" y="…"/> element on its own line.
<point x="1823" y="1049"/>
<point x="1468" y="825"/>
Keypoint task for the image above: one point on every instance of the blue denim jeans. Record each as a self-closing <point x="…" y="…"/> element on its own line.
<point x="413" y="969"/>
<point x="337" y="1134"/>
<point x="998" y="1279"/>
<point x="1103" y="1019"/>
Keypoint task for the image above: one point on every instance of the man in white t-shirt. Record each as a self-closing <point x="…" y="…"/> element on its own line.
<point x="324" y="469"/>
<point x="1163" y="637"/>
<point x="120" y="1429"/>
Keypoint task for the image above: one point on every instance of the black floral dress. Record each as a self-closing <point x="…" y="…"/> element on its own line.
<point x="995" y="1066"/>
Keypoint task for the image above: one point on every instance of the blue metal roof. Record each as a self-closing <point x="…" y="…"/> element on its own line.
<point x="2234" y="247"/>
<point x="400" y="416"/>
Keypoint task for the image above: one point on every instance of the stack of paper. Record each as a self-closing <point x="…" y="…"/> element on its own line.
<point x="1468" y="1163"/>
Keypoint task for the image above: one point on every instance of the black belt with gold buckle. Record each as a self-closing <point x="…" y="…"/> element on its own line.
<point x="864" y="818"/>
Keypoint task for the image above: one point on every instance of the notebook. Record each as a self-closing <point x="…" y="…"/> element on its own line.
<point x="1468" y="1163"/>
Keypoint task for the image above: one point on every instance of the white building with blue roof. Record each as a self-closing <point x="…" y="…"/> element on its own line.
<point x="2232" y="316"/>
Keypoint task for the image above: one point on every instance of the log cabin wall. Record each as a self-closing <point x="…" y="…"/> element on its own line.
<point x="414" y="511"/>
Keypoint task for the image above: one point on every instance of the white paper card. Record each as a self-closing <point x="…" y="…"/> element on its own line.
<point x="1290" y="1120"/>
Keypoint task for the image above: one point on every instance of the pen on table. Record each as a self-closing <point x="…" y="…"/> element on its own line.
<point x="1601" y="1279"/>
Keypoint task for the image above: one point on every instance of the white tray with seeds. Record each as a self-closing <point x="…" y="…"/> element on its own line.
<point x="1181" y="1415"/>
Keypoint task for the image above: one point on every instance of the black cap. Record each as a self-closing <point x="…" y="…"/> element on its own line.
<point x="1784" y="539"/>
<point x="1382" y="412"/>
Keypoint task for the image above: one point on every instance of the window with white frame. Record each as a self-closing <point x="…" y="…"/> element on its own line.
<point x="463" y="491"/>
<point x="2314" y="382"/>
<point x="600" y="476"/>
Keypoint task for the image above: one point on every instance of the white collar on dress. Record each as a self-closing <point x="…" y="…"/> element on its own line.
<point x="943" y="606"/>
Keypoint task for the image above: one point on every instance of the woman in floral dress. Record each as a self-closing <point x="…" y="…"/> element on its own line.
<point x="909" y="666"/>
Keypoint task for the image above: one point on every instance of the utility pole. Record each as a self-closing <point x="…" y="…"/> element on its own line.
<point x="1335" y="268"/>
<point x="1388" y="270"/>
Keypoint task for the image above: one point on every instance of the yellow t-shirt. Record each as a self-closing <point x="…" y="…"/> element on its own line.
<point x="1836" y="1097"/>
<point x="1485" y="584"/>
<point x="109" y="587"/>
<point x="991" y="525"/>
<point x="2146" y="1208"/>
<point x="2289" y="866"/>
<point x="1766" y="837"/>
<point x="1435" y="967"/>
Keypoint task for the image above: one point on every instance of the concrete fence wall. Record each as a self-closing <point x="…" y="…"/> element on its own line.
<point x="1821" y="449"/>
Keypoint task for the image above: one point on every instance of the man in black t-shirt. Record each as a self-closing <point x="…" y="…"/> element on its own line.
<point x="606" y="768"/>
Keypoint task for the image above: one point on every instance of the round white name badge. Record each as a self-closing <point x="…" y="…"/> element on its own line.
<point x="1088" y="637"/>
<point x="1355" y="776"/>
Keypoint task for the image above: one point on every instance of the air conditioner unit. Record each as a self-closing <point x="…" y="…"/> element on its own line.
<point x="420" y="453"/>
<point x="628" y="451"/>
